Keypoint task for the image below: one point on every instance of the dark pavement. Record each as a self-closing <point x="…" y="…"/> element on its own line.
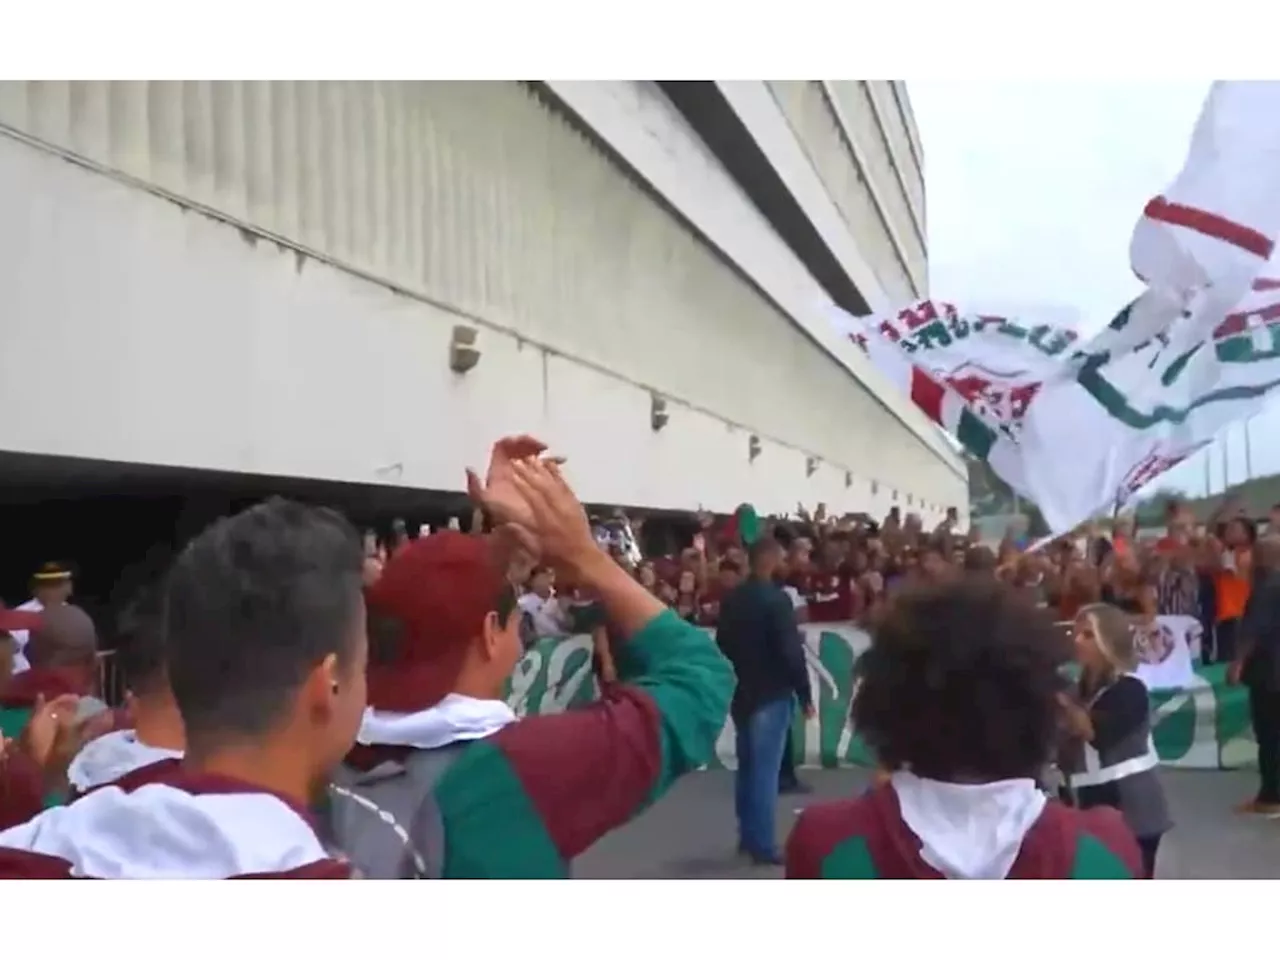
<point x="691" y="835"/>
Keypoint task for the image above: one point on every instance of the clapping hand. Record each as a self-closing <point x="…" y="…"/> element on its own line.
<point x="497" y="494"/>
<point x="552" y="514"/>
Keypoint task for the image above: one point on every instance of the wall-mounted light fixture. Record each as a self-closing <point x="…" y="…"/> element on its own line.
<point x="875" y="488"/>
<point x="753" y="448"/>
<point x="908" y="499"/>
<point x="848" y="479"/>
<point x="658" y="416"/>
<point x="810" y="466"/>
<point x="463" y="352"/>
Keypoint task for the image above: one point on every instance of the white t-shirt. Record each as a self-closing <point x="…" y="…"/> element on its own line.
<point x="21" y="637"/>
<point x="548" y="619"/>
<point x="797" y="601"/>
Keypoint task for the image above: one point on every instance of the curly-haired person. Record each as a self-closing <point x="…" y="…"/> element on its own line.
<point x="958" y="698"/>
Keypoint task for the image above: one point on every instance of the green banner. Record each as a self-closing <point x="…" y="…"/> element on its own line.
<point x="1205" y="726"/>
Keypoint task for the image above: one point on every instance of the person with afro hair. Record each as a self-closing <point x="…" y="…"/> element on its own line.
<point x="958" y="697"/>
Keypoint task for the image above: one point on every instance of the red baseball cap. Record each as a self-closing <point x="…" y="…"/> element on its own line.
<point x="435" y="593"/>
<point x="11" y="620"/>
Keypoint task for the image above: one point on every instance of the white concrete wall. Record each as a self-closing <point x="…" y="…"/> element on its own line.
<point x="636" y="120"/>
<point x="859" y="137"/>
<point x="309" y="335"/>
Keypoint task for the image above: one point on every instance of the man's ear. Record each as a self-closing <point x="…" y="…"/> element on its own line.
<point x="322" y="684"/>
<point x="491" y="633"/>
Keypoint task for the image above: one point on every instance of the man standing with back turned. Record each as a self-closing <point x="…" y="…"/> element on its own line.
<point x="1257" y="666"/>
<point x="759" y="636"/>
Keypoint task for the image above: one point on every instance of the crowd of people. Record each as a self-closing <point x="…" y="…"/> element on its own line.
<point x="844" y="569"/>
<point x="304" y="704"/>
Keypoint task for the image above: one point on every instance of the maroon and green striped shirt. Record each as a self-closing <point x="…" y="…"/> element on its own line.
<point x="526" y="801"/>
<point x="865" y="839"/>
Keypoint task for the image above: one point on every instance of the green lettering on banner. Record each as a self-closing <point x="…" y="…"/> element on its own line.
<point x="1092" y="378"/>
<point x="1173" y="725"/>
<point x="1050" y="340"/>
<point x="1204" y="727"/>
<point x="552" y="677"/>
<point x="1246" y="348"/>
<point x="934" y="334"/>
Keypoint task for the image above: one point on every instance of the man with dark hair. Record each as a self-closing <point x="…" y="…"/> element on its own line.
<point x="934" y="565"/>
<point x="728" y="576"/>
<point x="63" y="652"/>
<point x="959" y="698"/>
<point x="980" y="560"/>
<point x="446" y="781"/>
<point x="1257" y="665"/>
<point x="758" y="633"/>
<point x="154" y="730"/>
<point x="265" y="644"/>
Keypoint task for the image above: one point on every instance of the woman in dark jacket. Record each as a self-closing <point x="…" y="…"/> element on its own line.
<point x="1114" y="762"/>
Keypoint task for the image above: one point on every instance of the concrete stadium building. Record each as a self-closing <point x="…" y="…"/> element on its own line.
<point x="215" y="289"/>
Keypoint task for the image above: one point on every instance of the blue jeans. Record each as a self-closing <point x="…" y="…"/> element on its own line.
<point x="761" y="739"/>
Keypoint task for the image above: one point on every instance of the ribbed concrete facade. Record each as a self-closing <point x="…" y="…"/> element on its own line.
<point x="433" y="204"/>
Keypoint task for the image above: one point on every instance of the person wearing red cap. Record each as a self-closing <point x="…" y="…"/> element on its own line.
<point x="460" y="786"/>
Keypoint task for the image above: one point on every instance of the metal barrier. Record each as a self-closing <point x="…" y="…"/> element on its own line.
<point x="111" y="680"/>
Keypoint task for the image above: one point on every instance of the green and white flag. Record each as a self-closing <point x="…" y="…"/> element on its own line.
<point x="1079" y="427"/>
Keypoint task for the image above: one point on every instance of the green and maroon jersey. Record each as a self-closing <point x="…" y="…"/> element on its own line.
<point x="527" y="800"/>
<point x="866" y="839"/>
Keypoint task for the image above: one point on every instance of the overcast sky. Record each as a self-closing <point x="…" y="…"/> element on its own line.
<point x="1033" y="190"/>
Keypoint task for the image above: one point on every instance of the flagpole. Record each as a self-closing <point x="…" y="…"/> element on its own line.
<point x="1226" y="470"/>
<point x="1248" y="453"/>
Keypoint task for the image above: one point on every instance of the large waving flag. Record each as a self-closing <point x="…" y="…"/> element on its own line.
<point x="1079" y="427"/>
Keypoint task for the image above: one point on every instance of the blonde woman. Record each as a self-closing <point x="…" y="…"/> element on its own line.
<point x="1114" y="762"/>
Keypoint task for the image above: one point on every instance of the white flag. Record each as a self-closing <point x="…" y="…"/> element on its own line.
<point x="1079" y="427"/>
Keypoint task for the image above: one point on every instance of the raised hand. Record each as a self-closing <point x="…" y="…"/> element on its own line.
<point x="46" y="734"/>
<point x="552" y="513"/>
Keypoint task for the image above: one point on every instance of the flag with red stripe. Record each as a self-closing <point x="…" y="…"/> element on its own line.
<point x="1076" y="427"/>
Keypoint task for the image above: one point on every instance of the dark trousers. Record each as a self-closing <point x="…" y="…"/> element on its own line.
<point x="1224" y="642"/>
<point x="1149" y="846"/>
<point x="1264" y="712"/>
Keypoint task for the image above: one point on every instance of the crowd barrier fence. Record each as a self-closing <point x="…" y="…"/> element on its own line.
<point x="1204" y="726"/>
<point x="111" y="681"/>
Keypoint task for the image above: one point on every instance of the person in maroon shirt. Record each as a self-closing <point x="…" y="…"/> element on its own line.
<point x="978" y="666"/>
<point x="647" y="576"/>
<point x="688" y="602"/>
<point x="265" y="644"/>
<point x="728" y="576"/>
<point x="798" y="567"/>
<point x="831" y="593"/>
